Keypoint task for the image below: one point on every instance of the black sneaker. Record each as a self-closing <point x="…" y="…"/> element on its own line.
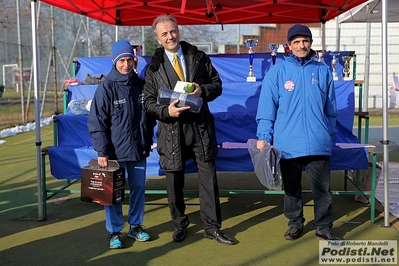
<point x="293" y="233"/>
<point x="329" y="236"/>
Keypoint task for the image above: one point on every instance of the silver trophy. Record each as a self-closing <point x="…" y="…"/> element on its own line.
<point x="251" y="43"/>
<point x="334" y="63"/>
<point x="320" y="54"/>
<point x="273" y="47"/>
<point x="346" y="70"/>
<point x="137" y="48"/>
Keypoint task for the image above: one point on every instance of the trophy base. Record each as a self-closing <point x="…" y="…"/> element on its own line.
<point x="251" y="79"/>
<point x="335" y="78"/>
<point x="347" y="78"/>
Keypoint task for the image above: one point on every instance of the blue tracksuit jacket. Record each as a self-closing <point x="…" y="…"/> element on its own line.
<point x="297" y="109"/>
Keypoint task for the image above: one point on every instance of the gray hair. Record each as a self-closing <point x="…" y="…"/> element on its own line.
<point x="163" y="18"/>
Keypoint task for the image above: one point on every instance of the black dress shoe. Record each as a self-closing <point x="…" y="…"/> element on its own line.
<point x="328" y="236"/>
<point x="220" y="237"/>
<point x="179" y="234"/>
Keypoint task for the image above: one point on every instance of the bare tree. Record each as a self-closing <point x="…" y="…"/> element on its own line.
<point x="76" y="36"/>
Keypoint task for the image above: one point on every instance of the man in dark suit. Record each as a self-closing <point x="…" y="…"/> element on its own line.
<point x="183" y="134"/>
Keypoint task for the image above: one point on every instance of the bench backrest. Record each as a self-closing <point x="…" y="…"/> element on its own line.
<point x="234" y="112"/>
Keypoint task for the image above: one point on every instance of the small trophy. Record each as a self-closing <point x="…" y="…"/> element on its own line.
<point x="273" y="47"/>
<point x="137" y="50"/>
<point x="320" y="54"/>
<point x="287" y="49"/>
<point x="334" y="63"/>
<point x="251" y="43"/>
<point x="346" y="71"/>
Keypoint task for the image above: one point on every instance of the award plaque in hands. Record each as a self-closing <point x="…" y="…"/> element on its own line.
<point x="166" y="96"/>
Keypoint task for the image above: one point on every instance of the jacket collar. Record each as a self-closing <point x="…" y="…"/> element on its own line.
<point x="158" y="59"/>
<point x="303" y="60"/>
<point x="129" y="78"/>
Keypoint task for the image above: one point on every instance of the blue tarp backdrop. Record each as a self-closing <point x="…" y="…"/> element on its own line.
<point x="234" y="113"/>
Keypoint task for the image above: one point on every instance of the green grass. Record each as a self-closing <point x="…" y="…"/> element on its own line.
<point x="11" y="113"/>
<point x="376" y="121"/>
<point x="13" y="95"/>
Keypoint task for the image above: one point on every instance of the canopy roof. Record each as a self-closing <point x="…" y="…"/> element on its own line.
<point x="142" y="13"/>
<point x="371" y="11"/>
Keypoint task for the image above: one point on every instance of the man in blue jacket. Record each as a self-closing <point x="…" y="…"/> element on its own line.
<point x="120" y="130"/>
<point x="297" y="114"/>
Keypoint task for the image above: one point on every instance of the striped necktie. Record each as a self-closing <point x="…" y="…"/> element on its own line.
<point x="177" y="67"/>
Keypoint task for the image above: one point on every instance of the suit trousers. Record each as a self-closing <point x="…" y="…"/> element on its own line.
<point x="318" y="173"/>
<point x="208" y="196"/>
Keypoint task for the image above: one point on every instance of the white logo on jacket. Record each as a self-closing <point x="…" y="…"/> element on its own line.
<point x="117" y="102"/>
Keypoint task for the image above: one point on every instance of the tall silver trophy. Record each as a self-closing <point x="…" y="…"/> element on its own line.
<point x="334" y="63"/>
<point x="273" y="48"/>
<point x="346" y="70"/>
<point x="251" y="43"/>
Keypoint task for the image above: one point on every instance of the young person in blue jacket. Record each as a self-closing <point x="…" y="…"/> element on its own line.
<point x="297" y="114"/>
<point x="120" y="130"/>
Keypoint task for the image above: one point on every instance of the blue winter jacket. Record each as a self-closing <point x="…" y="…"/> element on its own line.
<point x="297" y="108"/>
<point x="118" y="124"/>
